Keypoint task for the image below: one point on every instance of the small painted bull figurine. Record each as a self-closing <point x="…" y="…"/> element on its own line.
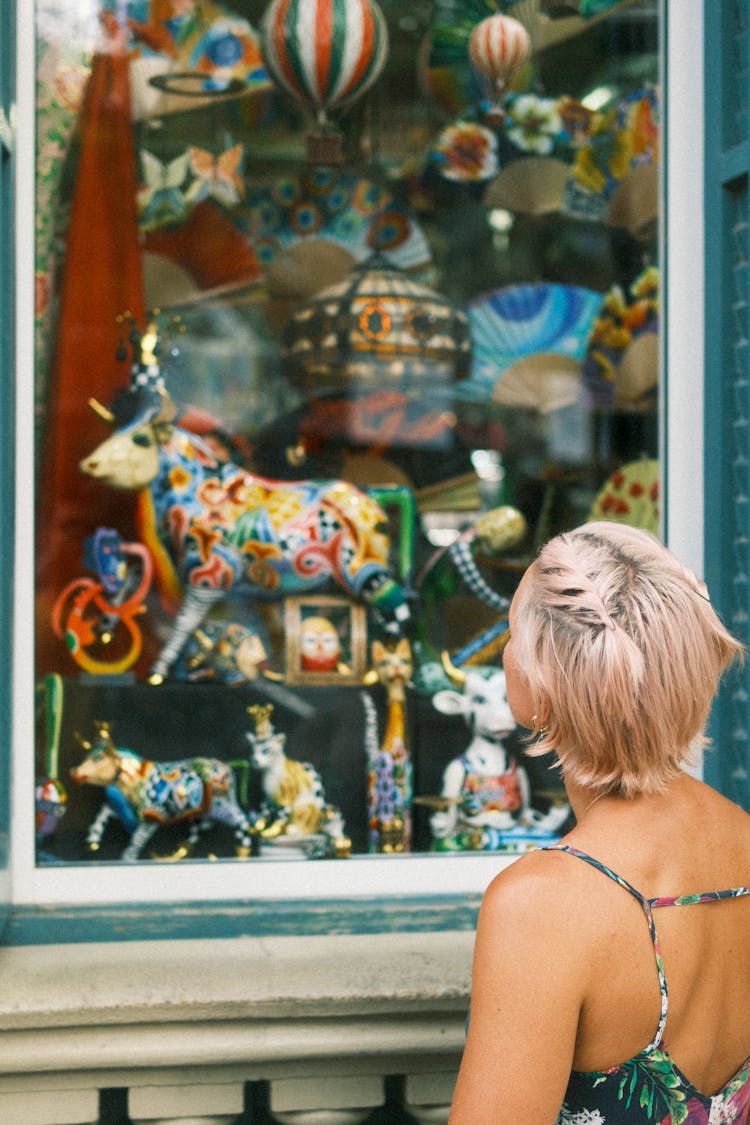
<point x="228" y="531"/>
<point x="143" y="795"/>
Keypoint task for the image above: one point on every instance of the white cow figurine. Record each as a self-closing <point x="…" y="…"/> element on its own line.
<point x="482" y="787"/>
<point x="487" y="795"/>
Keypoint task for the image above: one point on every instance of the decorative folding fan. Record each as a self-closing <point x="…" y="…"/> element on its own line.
<point x="300" y="271"/>
<point x="186" y="55"/>
<point x="621" y="363"/>
<point x="613" y="177"/>
<point x="548" y="323"/>
<point x="206" y="256"/>
<point x="336" y="206"/>
<point x="534" y="185"/>
<point x="530" y="151"/>
<point x="544" y="382"/>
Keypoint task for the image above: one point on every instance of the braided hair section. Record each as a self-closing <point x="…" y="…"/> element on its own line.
<point x="622" y="651"/>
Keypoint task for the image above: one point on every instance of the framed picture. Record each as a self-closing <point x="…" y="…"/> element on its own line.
<point x="325" y="640"/>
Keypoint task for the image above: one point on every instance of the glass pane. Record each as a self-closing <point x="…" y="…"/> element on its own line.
<point x="7" y="343"/>
<point x="337" y="320"/>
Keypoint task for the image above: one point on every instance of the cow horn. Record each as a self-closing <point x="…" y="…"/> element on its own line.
<point x="454" y="673"/>
<point x="167" y="410"/>
<point x="102" y="412"/>
<point x="83" y="741"/>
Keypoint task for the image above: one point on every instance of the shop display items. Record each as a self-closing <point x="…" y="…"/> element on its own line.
<point x="227" y="529"/>
<point x="486" y="795"/>
<point x="142" y="795"/>
<point x="88" y="613"/>
<point x="295" y="811"/>
<point x="365" y="299"/>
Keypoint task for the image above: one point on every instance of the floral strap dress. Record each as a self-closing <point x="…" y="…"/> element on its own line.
<point x="650" y="1089"/>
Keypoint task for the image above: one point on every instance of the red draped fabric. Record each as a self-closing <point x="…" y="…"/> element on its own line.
<point x="102" y="278"/>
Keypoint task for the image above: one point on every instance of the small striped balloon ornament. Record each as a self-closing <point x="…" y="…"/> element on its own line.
<point x="498" y="47"/>
<point x="326" y="54"/>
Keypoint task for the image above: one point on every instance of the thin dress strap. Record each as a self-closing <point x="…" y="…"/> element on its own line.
<point x="648" y="911"/>
<point x="707" y="896"/>
<point x="649" y="905"/>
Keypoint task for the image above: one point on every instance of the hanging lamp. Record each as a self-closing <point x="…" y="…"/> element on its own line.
<point x="377" y="327"/>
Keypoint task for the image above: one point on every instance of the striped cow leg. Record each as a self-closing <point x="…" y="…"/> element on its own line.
<point x="227" y="811"/>
<point x="196" y="604"/>
<point x="138" y="840"/>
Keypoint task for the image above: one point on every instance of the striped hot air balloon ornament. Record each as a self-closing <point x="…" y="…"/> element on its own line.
<point x="326" y="54"/>
<point x="498" y="47"/>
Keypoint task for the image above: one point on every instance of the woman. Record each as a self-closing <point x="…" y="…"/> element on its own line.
<point x="597" y="996"/>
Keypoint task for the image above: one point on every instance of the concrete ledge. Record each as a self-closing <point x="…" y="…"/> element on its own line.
<point x="257" y="978"/>
<point x="80" y="1017"/>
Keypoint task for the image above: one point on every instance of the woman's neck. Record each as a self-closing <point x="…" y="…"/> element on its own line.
<point x="591" y="805"/>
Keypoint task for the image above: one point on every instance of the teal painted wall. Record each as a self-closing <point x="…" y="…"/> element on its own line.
<point x="727" y="373"/>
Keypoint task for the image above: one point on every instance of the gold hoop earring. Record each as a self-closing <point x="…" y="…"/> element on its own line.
<point x="538" y="729"/>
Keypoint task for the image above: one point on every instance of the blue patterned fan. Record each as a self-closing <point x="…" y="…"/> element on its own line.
<point x="520" y="321"/>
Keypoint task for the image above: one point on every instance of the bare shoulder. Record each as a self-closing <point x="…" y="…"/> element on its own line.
<point x="531" y="928"/>
<point x="716" y="817"/>
<point x="708" y="792"/>
<point x="729" y="811"/>
<point x="537" y="894"/>
<point x="725" y="824"/>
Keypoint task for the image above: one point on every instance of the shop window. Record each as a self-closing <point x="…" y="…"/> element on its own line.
<point x="7" y="340"/>
<point x="337" y="319"/>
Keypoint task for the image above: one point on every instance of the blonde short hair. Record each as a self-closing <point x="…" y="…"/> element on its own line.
<point x="623" y="653"/>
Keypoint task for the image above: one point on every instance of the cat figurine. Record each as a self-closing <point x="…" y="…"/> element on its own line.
<point x="389" y="766"/>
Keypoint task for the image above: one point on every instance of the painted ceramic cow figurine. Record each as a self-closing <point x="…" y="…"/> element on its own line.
<point x="487" y="795"/>
<point x="483" y="788"/>
<point x="143" y="795"/>
<point x="228" y="531"/>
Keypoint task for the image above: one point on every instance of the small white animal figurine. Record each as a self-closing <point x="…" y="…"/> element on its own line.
<point x="484" y="787"/>
<point x="143" y="795"/>
<point x="295" y="804"/>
